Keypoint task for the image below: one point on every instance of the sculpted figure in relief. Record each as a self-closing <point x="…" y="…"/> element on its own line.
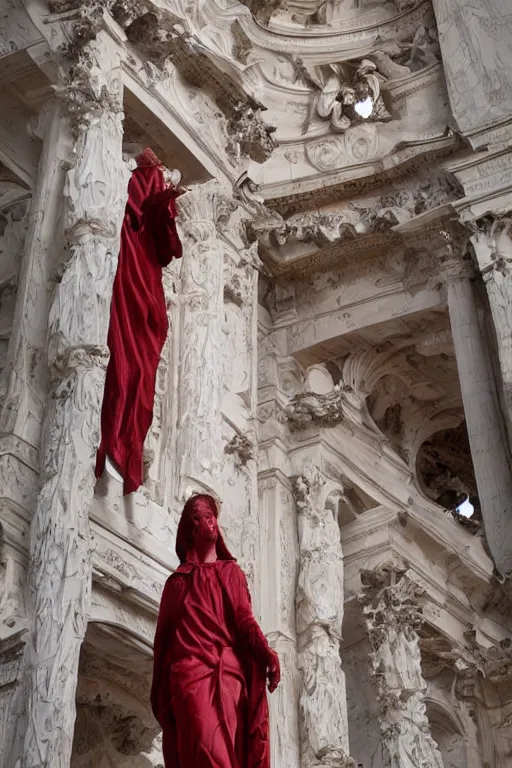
<point x="319" y="613"/>
<point x="339" y="91"/>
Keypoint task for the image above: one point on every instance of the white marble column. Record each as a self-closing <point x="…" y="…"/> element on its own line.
<point x="278" y="570"/>
<point x="393" y="616"/>
<point x="485" y="423"/>
<point x="24" y="387"/>
<point x="492" y="243"/>
<point x="60" y="550"/>
<point x="319" y="616"/>
<point x="199" y="393"/>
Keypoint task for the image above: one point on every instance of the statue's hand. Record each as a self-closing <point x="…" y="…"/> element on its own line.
<point x="273" y="671"/>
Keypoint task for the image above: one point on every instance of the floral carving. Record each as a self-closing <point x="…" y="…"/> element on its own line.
<point x="249" y="135"/>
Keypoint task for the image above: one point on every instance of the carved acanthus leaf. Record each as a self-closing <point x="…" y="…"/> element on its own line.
<point x="311" y="408"/>
<point x="249" y="135"/>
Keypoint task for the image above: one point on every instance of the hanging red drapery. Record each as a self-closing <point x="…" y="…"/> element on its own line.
<point x="138" y="319"/>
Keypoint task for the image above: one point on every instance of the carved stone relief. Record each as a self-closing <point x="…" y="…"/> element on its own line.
<point x="319" y="616"/>
<point x="249" y="135"/>
<point x="60" y="565"/>
<point x="201" y="314"/>
<point x="393" y="617"/>
<point x="475" y="39"/>
<point x="310" y="408"/>
<point x="338" y="92"/>
<point x="338" y="197"/>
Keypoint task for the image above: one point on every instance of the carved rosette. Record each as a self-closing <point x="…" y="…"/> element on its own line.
<point x="393" y="616"/>
<point x="319" y="616"/>
<point x="199" y="447"/>
<point x="60" y="554"/>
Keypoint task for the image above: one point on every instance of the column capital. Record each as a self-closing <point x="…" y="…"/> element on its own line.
<point x="93" y="84"/>
<point x="389" y="595"/>
<point x="438" y="256"/>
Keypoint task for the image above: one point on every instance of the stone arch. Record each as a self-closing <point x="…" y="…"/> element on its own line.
<point x="448" y="732"/>
<point x="444" y="467"/>
<point x="114" y="726"/>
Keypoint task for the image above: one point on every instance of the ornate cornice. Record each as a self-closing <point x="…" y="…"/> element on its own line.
<point x="323" y="40"/>
<point x="324" y="189"/>
<point x="200" y="45"/>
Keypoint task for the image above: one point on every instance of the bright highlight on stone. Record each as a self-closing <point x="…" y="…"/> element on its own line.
<point x="364" y="108"/>
<point x="466" y="509"/>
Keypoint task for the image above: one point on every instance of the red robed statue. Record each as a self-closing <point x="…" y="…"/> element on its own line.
<point x="211" y="658"/>
<point x="138" y="319"/>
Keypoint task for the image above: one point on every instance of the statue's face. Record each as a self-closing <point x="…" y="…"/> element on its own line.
<point x="204" y="527"/>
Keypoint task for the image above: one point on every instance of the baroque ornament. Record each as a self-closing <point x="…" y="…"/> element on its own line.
<point x="391" y="607"/>
<point x="339" y="92"/>
<point x="249" y="135"/>
<point x="310" y="408"/>
<point x="319" y="617"/>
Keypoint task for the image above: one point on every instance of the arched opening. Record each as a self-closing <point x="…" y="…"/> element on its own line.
<point x="448" y="734"/>
<point x="114" y="726"/>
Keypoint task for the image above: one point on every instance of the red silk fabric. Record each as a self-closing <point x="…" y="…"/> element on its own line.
<point x="210" y="659"/>
<point x="138" y="320"/>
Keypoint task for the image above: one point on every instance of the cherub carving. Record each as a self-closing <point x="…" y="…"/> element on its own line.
<point x="339" y="90"/>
